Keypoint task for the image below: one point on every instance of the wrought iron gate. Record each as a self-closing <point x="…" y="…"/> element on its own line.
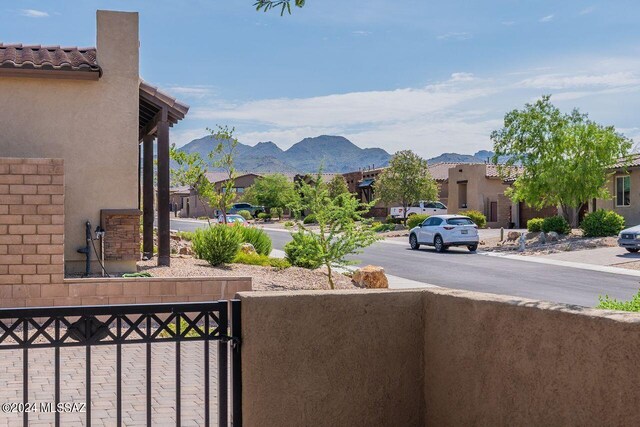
<point x="124" y="325"/>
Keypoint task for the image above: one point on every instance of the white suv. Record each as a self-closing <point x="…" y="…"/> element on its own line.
<point x="442" y="231"/>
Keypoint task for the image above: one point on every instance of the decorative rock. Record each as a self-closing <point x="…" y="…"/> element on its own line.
<point x="185" y="250"/>
<point x="532" y="235"/>
<point x="522" y="240"/>
<point x="512" y="236"/>
<point x="399" y="227"/>
<point x="247" y="248"/>
<point x="370" y="277"/>
<point x="542" y="238"/>
<point x="552" y="236"/>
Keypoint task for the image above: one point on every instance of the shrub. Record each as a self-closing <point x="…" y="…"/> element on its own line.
<point x="381" y="228"/>
<point x="218" y="244"/>
<point x="264" y="216"/>
<point x="185" y="235"/>
<point x="415" y="220"/>
<point x="262" y="260"/>
<point x="276" y="212"/>
<point x="602" y="223"/>
<point x="477" y="217"/>
<point x="245" y="214"/>
<point x="258" y="238"/>
<point x="289" y="224"/>
<point x="309" y="219"/>
<point x="303" y="250"/>
<point x="612" y="304"/>
<point x="556" y="223"/>
<point x="534" y="225"/>
<point x="203" y="218"/>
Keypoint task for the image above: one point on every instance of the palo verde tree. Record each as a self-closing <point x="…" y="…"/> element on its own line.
<point x="272" y="191"/>
<point x="341" y="228"/>
<point x="406" y="181"/>
<point x="284" y="5"/>
<point x="337" y="186"/>
<point x="566" y="158"/>
<point x="191" y="170"/>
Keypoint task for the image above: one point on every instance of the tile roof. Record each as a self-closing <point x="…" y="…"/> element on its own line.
<point x="36" y="57"/>
<point x="440" y="171"/>
<point x="633" y="160"/>
<point x="512" y="172"/>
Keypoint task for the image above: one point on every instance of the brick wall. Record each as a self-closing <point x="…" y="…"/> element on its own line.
<point x="31" y="225"/>
<point x="100" y="291"/>
<point x="122" y="237"/>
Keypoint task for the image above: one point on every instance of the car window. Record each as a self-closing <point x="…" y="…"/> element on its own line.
<point x="430" y="205"/>
<point x="427" y="222"/>
<point x="415" y="205"/>
<point x="460" y="221"/>
<point x="437" y="221"/>
<point x="439" y="205"/>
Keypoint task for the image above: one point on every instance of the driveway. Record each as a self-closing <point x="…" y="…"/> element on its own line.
<point x="460" y="269"/>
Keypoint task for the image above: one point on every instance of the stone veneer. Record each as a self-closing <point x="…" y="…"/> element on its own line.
<point x="122" y="237"/>
<point x="31" y="225"/>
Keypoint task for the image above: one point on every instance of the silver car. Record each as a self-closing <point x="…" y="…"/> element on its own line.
<point x="629" y="239"/>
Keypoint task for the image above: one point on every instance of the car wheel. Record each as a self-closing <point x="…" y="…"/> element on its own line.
<point x="439" y="244"/>
<point x="413" y="242"/>
<point x="472" y="248"/>
<point x="633" y="250"/>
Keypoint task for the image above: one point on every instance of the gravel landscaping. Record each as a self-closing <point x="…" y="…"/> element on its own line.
<point x="565" y="243"/>
<point x="264" y="278"/>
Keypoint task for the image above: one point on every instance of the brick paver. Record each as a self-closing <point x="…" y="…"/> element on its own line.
<point x="103" y="369"/>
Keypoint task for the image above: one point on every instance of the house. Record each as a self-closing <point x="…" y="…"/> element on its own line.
<point x="624" y="187"/>
<point x="89" y="107"/>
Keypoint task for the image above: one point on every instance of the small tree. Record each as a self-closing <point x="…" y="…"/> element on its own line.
<point x="222" y="157"/>
<point x="284" y="5"/>
<point x="341" y="228"/>
<point x="406" y="181"/>
<point x="337" y="186"/>
<point x="272" y="191"/>
<point x="191" y="172"/>
<point x="566" y="158"/>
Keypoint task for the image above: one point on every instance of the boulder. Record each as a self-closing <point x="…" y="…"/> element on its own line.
<point x="542" y="238"/>
<point x="370" y="277"/>
<point x="185" y="250"/>
<point x="512" y="236"/>
<point x="247" y="248"/>
<point x="532" y="235"/>
<point x="552" y="236"/>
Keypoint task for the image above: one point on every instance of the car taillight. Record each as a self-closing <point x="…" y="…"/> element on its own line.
<point x="475" y="226"/>
<point x="449" y="227"/>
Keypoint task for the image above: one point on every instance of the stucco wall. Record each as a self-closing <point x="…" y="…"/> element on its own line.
<point x="630" y="213"/>
<point x="92" y="125"/>
<point x="332" y="359"/>
<point x="435" y="357"/>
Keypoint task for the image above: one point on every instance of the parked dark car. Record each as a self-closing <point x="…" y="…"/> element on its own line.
<point x="253" y="210"/>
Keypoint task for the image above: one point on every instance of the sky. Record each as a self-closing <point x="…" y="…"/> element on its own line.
<point x="431" y="76"/>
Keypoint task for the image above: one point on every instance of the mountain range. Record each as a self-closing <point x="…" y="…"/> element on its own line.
<point x="335" y="154"/>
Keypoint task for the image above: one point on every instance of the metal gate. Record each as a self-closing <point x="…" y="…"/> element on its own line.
<point x="120" y="326"/>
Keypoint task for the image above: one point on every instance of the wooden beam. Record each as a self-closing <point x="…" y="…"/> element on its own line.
<point x="151" y="127"/>
<point x="147" y="197"/>
<point x="164" y="239"/>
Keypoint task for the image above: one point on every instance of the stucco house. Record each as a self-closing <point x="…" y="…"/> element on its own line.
<point x="624" y="187"/>
<point x="89" y="107"/>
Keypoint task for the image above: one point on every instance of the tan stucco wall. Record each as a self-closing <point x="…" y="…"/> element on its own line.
<point x="630" y="213"/>
<point x="435" y="357"/>
<point x="332" y="359"/>
<point x="92" y="125"/>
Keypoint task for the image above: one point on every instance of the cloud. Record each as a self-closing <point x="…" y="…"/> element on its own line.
<point x="361" y="33"/>
<point x="587" y="10"/>
<point x="460" y="36"/>
<point x="564" y="81"/>
<point x="33" y="13"/>
<point x="196" y="91"/>
<point x="547" y="18"/>
<point x="462" y="77"/>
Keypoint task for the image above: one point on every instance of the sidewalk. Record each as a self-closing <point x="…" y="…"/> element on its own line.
<point x="600" y="256"/>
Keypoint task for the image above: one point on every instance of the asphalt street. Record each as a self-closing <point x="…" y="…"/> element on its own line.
<point x="460" y="269"/>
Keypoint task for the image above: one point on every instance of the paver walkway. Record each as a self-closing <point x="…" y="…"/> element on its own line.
<point x="103" y="368"/>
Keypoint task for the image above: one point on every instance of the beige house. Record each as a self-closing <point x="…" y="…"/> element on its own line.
<point x="89" y="107"/>
<point x="624" y="186"/>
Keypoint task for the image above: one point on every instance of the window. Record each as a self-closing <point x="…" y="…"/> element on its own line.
<point x="439" y="205"/>
<point x="460" y="221"/>
<point x="430" y="206"/>
<point x="623" y="190"/>
<point x="436" y="221"/>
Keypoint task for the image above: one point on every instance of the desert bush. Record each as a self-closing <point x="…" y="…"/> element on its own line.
<point x="289" y="224"/>
<point x="415" y="220"/>
<point x="556" y="223"/>
<point x="245" y="214"/>
<point x="534" y="225"/>
<point x="203" y="218"/>
<point x="309" y="219"/>
<point x="264" y="216"/>
<point x="613" y="304"/>
<point x="185" y="235"/>
<point x="218" y="244"/>
<point x="602" y="223"/>
<point x="258" y="238"/>
<point x="303" y="250"/>
<point x="276" y="212"/>
<point x="263" y="260"/>
<point x="477" y="217"/>
<point x="381" y="228"/>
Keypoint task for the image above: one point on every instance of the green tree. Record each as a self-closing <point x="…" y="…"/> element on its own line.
<point x="341" y="229"/>
<point x="406" y="181"/>
<point x="223" y="157"/>
<point x="191" y="171"/>
<point x="336" y="186"/>
<point x="272" y="191"/>
<point x="284" y="5"/>
<point x="566" y="158"/>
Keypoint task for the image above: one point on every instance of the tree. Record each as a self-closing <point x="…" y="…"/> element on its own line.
<point x="406" y="181"/>
<point x="272" y="191"/>
<point x="285" y="5"/>
<point x="341" y="228"/>
<point x="566" y="158"/>
<point x="336" y="186"/>
<point x="192" y="168"/>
